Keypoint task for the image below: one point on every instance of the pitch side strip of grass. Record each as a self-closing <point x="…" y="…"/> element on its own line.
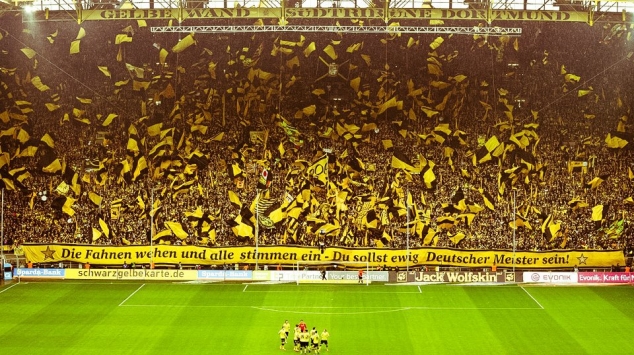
<point x="166" y="318"/>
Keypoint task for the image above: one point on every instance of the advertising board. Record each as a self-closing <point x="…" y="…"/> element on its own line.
<point x="40" y="273"/>
<point x="225" y="275"/>
<point x="455" y="276"/>
<point x="551" y="277"/>
<point x="606" y="277"/>
<point x="131" y="274"/>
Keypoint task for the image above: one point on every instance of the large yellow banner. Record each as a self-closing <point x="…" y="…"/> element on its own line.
<point x="289" y="255"/>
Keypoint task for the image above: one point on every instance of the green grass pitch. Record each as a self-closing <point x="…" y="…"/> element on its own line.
<point x="216" y="318"/>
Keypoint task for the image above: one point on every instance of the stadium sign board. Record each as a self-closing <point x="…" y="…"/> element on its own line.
<point x="131" y="274"/>
<point x="373" y="276"/>
<point x="231" y="275"/>
<point x="40" y="273"/>
<point x="551" y="277"/>
<point x="455" y="276"/>
<point x="606" y="277"/>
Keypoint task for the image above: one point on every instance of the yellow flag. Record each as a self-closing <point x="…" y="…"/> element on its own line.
<point x="74" y="46"/>
<point x="122" y="38"/>
<point x="105" y="71"/>
<point x="137" y="85"/>
<point x="184" y="43"/>
<point x="104" y="227"/>
<point x="309" y="49"/>
<point x="37" y="82"/>
<point x="218" y="137"/>
<point x="81" y="34"/>
<point x="581" y="93"/>
<point x="53" y="167"/>
<point x="23" y="136"/>
<point x="51" y="107"/>
<point x="96" y="199"/>
<point x="48" y="140"/>
<point x="354" y="83"/>
<point x="5" y="159"/>
<point x="140" y="167"/>
<point x="235" y="199"/>
<point x="109" y="119"/>
<point x="309" y="110"/>
<point x="330" y="50"/>
<point x="96" y="234"/>
<point x="457" y="238"/>
<point x="386" y="105"/>
<point x="154" y="130"/>
<point x="293" y="62"/>
<point x="163" y="55"/>
<point x="133" y="145"/>
<point x="68" y="206"/>
<point x="28" y="52"/>
<point x="597" y="213"/>
<point x="434" y="69"/>
<point x="177" y="229"/>
<point x="162" y="234"/>
<point x="436" y="43"/>
<point x="319" y="169"/>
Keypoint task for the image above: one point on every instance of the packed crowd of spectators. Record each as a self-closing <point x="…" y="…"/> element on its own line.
<point x="217" y="84"/>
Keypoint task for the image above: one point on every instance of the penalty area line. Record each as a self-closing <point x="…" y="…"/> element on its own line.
<point x="245" y="288"/>
<point x="531" y="296"/>
<point x="132" y="294"/>
<point x="8" y="288"/>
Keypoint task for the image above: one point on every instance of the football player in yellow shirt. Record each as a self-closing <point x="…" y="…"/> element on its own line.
<point x="283" y="336"/>
<point x="314" y="339"/>
<point x="287" y="327"/>
<point x="304" y="339"/>
<point x="324" y="339"/>
<point x="296" y="334"/>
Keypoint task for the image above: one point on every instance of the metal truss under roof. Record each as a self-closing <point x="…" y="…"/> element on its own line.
<point x="491" y="31"/>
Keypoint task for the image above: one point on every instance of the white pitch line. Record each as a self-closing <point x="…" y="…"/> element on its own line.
<point x="8" y="288"/>
<point x="245" y="288"/>
<point x="419" y="290"/>
<point x="355" y="292"/>
<point x="531" y="296"/>
<point x="378" y="309"/>
<point x="63" y="282"/>
<point x="132" y="294"/>
<point x="334" y="313"/>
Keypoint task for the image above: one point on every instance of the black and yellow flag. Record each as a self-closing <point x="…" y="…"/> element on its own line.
<point x="140" y="168"/>
<point x="401" y="161"/>
<point x="319" y="169"/>
<point x="235" y="200"/>
<point x="485" y="153"/>
<point x="49" y="163"/>
<point x="488" y="200"/>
